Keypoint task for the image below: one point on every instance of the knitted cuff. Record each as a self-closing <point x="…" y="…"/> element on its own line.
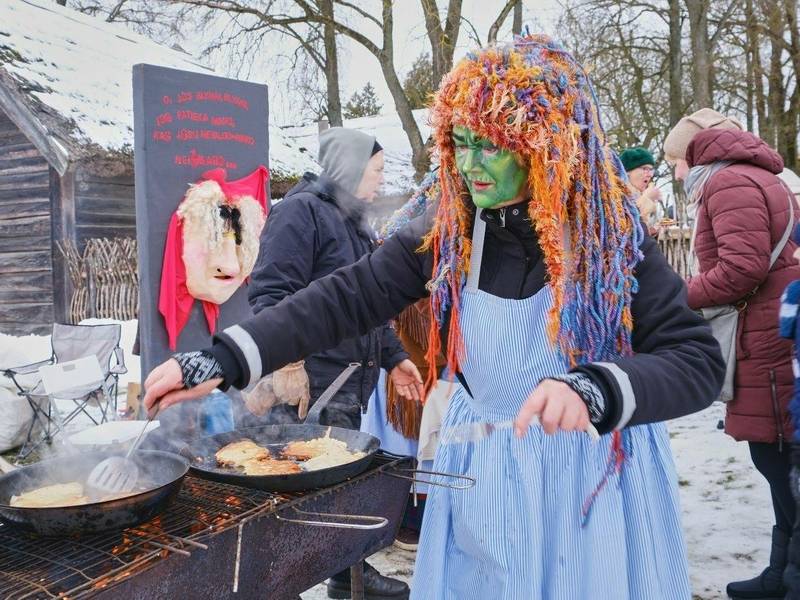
<point x="588" y="391"/>
<point x="197" y="367"/>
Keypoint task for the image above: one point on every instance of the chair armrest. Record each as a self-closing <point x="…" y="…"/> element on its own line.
<point x="119" y="357"/>
<point x="26" y="369"/>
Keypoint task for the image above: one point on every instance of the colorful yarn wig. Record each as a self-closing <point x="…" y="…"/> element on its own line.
<point x="533" y="98"/>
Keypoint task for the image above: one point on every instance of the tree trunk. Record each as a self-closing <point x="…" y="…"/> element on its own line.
<point x="385" y="57"/>
<point x="331" y="65"/>
<point x="701" y="54"/>
<point x="749" y="67"/>
<point x="419" y="156"/>
<point x="776" y="95"/>
<point x="792" y="125"/>
<point x="516" y="26"/>
<point x="675" y="67"/>
<point x="443" y="40"/>
<point x="498" y="22"/>
<point x="753" y="43"/>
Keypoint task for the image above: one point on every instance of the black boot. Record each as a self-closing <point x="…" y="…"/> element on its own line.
<point x="791" y="575"/>
<point x="376" y="586"/>
<point x="768" y="585"/>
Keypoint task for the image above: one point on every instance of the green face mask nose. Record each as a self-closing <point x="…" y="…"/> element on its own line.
<point x="493" y="176"/>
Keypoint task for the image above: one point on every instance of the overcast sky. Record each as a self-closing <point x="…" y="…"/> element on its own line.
<point x="357" y="66"/>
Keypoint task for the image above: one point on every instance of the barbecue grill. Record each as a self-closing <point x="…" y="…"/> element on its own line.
<point x="216" y="541"/>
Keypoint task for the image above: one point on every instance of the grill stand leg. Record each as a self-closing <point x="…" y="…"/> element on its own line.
<point x="357" y="581"/>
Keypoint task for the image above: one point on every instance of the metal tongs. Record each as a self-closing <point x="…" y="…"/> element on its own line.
<point x="474" y="432"/>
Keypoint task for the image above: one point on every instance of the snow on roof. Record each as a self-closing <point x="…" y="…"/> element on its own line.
<point x="387" y="129"/>
<point x="78" y="70"/>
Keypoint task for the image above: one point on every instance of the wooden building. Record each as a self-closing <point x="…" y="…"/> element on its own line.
<point x="66" y="139"/>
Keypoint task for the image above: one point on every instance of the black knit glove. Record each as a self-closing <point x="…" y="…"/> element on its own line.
<point x="197" y="367"/>
<point x="588" y="391"/>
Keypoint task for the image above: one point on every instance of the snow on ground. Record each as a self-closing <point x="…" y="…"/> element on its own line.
<point x="727" y="514"/>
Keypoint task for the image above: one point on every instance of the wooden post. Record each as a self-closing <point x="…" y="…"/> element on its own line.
<point x="62" y="202"/>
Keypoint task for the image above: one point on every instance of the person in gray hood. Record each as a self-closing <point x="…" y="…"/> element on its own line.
<point x="317" y="228"/>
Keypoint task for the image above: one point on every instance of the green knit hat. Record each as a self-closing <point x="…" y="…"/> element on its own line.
<point x="636" y="157"/>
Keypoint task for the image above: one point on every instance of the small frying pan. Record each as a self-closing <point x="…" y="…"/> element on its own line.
<point x="161" y="478"/>
<point x="202" y="461"/>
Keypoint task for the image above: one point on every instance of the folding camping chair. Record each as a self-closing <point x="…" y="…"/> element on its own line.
<point x="80" y="369"/>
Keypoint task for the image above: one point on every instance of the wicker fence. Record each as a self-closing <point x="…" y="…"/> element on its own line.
<point x="105" y="281"/>
<point x="674" y="243"/>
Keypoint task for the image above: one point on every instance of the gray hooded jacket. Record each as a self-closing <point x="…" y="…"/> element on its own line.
<point x="343" y="154"/>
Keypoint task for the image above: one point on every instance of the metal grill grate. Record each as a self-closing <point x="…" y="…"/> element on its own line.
<point x="35" y="567"/>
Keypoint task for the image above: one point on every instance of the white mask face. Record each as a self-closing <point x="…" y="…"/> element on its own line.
<point x="212" y="273"/>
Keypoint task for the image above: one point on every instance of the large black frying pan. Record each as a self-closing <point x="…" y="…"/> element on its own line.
<point x="200" y="453"/>
<point x="203" y="463"/>
<point x="160" y="477"/>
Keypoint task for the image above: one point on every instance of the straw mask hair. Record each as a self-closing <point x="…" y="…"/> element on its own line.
<point x="533" y="98"/>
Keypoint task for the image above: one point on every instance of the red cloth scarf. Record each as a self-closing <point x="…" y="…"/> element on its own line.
<point x="175" y="302"/>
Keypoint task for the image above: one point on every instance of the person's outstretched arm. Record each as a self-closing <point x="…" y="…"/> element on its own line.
<point x="349" y="302"/>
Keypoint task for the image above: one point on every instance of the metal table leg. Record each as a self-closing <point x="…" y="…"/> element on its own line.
<point x="357" y="581"/>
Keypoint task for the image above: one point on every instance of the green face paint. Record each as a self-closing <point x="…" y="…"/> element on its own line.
<point x="493" y="176"/>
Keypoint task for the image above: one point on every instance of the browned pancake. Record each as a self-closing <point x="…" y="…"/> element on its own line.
<point x="313" y="448"/>
<point x="270" y="466"/>
<point x="300" y="451"/>
<point x="238" y="453"/>
<point x="59" y="494"/>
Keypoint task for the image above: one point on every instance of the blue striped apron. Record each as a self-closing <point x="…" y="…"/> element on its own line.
<point x="518" y="535"/>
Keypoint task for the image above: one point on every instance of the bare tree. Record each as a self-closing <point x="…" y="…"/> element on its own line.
<point x="331" y="66"/>
<point x="159" y="21"/>
<point x="498" y="22"/>
<point x="516" y="26"/>
<point x="442" y="37"/>
<point x="675" y="65"/>
<point x="624" y="44"/>
<point x="701" y="53"/>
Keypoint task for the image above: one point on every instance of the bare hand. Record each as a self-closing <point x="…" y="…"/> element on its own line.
<point x="653" y="193"/>
<point x="407" y="381"/>
<point x="646" y="205"/>
<point x="165" y="383"/>
<point x="556" y="405"/>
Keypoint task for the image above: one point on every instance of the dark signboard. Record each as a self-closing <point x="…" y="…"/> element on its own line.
<point x="184" y="125"/>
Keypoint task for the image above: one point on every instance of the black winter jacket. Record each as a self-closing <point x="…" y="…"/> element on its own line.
<point x="676" y="368"/>
<point x="316" y="229"/>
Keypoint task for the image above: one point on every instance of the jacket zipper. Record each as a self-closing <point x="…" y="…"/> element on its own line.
<point x="776" y="408"/>
<point x="502" y="217"/>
